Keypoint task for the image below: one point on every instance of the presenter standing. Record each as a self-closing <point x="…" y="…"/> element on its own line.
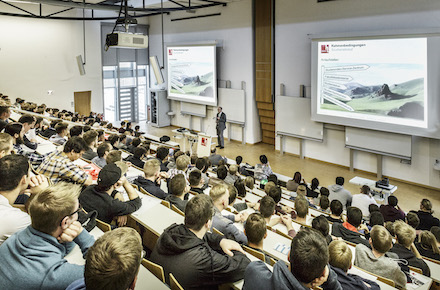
<point x="221" y="126"/>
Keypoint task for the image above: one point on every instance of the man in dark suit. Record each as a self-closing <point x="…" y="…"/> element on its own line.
<point x="221" y="126"/>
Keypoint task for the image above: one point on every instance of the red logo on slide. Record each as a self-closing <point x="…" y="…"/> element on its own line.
<point x="170" y="51"/>
<point x="204" y="141"/>
<point x="325" y="48"/>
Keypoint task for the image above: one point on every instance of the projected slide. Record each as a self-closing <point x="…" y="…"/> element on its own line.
<point x="382" y="80"/>
<point x="192" y="74"/>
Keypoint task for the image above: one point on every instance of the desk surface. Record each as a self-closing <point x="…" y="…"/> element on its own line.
<point x="372" y="184"/>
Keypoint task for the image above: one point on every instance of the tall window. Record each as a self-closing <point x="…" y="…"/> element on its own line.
<point x="125" y="79"/>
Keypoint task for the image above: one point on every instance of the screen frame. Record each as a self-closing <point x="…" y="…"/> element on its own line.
<point x="186" y="98"/>
<point x="433" y="87"/>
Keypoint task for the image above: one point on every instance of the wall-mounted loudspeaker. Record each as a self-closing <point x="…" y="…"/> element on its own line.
<point x="80" y="62"/>
<point x="156" y="69"/>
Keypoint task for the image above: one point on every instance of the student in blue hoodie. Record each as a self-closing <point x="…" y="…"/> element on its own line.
<point x="308" y="267"/>
<point x="34" y="257"/>
<point x="340" y="257"/>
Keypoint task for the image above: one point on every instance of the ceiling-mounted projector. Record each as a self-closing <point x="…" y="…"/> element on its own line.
<point x="126" y="40"/>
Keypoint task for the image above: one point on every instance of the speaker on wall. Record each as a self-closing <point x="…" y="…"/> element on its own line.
<point x="80" y="62"/>
<point x="156" y="69"/>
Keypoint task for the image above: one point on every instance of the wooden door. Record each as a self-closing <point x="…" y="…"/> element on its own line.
<point x="83" y="102"/>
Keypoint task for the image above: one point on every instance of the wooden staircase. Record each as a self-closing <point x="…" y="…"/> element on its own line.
<point x="264" y="68"/>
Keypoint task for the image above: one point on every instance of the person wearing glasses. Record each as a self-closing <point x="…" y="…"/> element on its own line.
<point x="34" y="257"/>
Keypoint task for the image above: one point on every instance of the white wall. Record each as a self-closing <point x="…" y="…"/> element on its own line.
<point x="233" y="29"/>
<point x="296" y="20"/>
<point x="39" y="55"/>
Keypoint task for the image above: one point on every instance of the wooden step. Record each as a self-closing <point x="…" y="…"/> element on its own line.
<point x="270" y="134"/>
<point x="265" y="106"/>
<point x="266" y="113"/>
<point x="268" y="140"/>
<point x="266" y="120"/>
<point x="268" y="127"/>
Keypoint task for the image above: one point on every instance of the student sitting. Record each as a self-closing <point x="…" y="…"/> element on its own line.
<point x="363" y="200"/>
<point x="222" y="172"/>
<point x="194" y="256"/>
<point x="337" y="191"/>
<point x="196" y="182"/>
<point x="232" y="174"/>
<point x="427" y="245"/>
<point x="76" y="130"/>
<point x="51" y="130"/>
<point x="321" y="224"/>
<point x="15" y="178"/>
<point x="34" y="257"/>
<point x="241" y="188"/>
<point x="6" y="144"/>
<point x="275" y="192"/>
<point x="177" y="189"/>
<point x="374" y="259"/>
<point x="302" y="210"/>
<point x="201" y="165"/>
<point x="292" y="184"/>
<point x="215" y="158"/>
<point x="152" y="178"/>
<point x="349" y="229"/>
<point x="113" y="156"/>
<point x="15" y="130"/>
<point x="102" y="152"/>
<point x="134" y="144"/>
<point x="340" y="257"/>
<point x="182" y="163"/>
<point x="436" y="232"/>
<point x="324" y="204"/>
<point x="114" y="141"/>
<point x="263" y="170"/>
<point x="250" y="183"/>
<point x="91" y="139"/>
<point x="376" y="218"/>
<point x="391" y="211"/>
<point x="136" y="158"/>
<point x="59" y="166"/>
<point x="162" y="155"/>
<point x="412" y="219"/>
<point x="256" y="231"/>
<point x="28" y="122"/>
<point x="427" y="220"/>
<point x="336" y="209"/>
<point x="61" y="130"/>
<point x="106" y="200"/>
<point x="312" y="191"/>
<point x="405" y="249"/>
<point x="112" y="262"/>
<point x="220" y="198"/>
<point x="308" y="267"/>
<point x="267" y="210"/>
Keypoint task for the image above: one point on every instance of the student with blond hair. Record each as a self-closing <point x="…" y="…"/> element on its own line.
<point x="374" y="260"/>
<point x="6" y="144"/>
<point x="405" y="249"/>
<point x="152" y="178"/>
<point x="220" y="197"/>
<point x="113" y="262"/>
<point x="34" y="257"/>
<point x="427" y="245"/>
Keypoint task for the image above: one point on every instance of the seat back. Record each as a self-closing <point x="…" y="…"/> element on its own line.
<point x="155" y="269"/>
<point x="174" y="284"/>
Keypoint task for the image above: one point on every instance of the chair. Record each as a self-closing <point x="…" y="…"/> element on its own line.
<point x="141" y="189"/>
<point x="103" y="226"/>
<point x="166" y="203"/>
<point x="415" y="269"/>
<point x="174" y="208"/>
<point x="217" y="231"/>
<point x="272" y="261"/>
<point x="155" y="269"/>
<point x="255" y="253"/>
<point x="174" y="284"/>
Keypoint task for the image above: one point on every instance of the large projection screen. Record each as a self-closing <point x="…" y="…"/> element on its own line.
<point x="192" y="73"/>
<point x="385" y="83"/>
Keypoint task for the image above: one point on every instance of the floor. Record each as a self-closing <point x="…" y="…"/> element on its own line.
<point x="409" y="195"/>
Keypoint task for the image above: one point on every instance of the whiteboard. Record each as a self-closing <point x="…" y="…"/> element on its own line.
<point x="293" y="117"/>
<point x="193" y="109"/>
<point x="385" y="143"/>
<point x="233" y="104"/>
